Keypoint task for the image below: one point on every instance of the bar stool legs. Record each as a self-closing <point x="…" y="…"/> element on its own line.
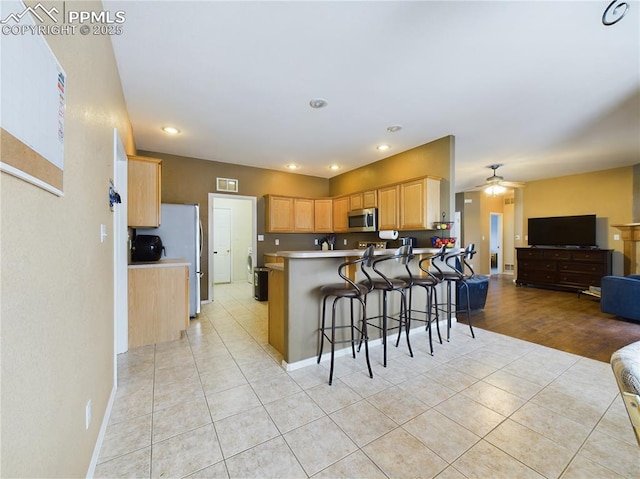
<point x="431" y="306"/>
<point x="332" y="336"/>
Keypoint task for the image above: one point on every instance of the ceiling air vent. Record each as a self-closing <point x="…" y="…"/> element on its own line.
<point x="229" y="185"/>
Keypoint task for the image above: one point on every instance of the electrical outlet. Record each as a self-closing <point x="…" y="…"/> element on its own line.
<point x="345" y="242"/>
<point x="315" y="241"/>
<point x="260" y="237"/>
<point x="87" y="414"/>
<point x="616" y="237"/>
<point x="277" y="241"/>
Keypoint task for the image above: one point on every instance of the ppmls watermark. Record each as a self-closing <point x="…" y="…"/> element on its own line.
<point x="68" y="22"/>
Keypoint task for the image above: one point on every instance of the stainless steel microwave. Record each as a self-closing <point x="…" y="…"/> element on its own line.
<point x="363" y="220"/>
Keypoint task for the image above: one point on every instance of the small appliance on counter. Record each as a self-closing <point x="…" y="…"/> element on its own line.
<point x="146" y="248"/>
<point x="409" y="240"/>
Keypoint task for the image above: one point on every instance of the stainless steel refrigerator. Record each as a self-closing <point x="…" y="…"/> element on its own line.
<point x="181" y="233"/>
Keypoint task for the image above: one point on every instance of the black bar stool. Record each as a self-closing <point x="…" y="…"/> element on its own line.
<point x="458" y="263"/>
<point x="387" y="285"/>
<point x="428" y="281"/>
<point x="354" y="291"/>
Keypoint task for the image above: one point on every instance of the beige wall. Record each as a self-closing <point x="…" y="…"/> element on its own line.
<point x="57" y="279"/>
<point x="190" y="180"/>
<point x="434" y="158"/>
<point x="607" y="193"/>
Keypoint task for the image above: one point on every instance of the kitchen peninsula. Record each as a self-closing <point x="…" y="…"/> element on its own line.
<point x="295" y="302"/>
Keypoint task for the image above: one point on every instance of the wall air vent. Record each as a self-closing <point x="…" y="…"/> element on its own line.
<point x="230" y="185"/>
<point x="509" y="201"/>
<point x="508" y="267"/>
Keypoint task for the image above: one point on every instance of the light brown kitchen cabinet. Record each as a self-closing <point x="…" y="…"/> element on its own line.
<point x="279" y="214"/>
<point x="388" y="207"/>
<point x="363" y="199"/>
<point x="323" y="214"/>
<point x="158" y="303"/>
<point x="303" y="215"/>
<point x="419" y="204"/>
<point x="144" y="192"/>
<point x="340" y="210"/>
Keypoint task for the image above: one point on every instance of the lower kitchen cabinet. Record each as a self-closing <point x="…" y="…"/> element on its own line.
<point x="158" y="302"/>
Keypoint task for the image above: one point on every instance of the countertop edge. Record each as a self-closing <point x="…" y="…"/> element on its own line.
<point x="275" y="266"/>
<point x="163" y="263"/>
<point x="343" y="253"/>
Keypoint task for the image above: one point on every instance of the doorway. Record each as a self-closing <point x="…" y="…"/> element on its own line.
<point x="232" y="239"/>
<point x="495" y="243"/>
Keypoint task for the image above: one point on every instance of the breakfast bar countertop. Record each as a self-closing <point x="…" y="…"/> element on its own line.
<point x="343" y="253"/>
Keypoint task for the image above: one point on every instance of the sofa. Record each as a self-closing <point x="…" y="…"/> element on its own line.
<point x="620" y="295"/>
<point x="625" y="363"/>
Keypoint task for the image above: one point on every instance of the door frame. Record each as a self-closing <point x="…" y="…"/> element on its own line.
<point x="120" y="252"/>
<point x="210" y="234"/>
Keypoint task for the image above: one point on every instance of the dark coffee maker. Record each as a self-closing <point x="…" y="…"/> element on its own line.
<point x="146" y="248"/>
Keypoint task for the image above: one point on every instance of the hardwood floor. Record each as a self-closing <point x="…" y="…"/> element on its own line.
<point x="557" y="319"/>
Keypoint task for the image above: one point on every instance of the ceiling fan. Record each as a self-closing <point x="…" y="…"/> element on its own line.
<point x="496" y="185"/>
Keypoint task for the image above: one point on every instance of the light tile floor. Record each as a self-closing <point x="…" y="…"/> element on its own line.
<point x="216" y="404"/>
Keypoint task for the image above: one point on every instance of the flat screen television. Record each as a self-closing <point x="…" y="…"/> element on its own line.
<point x="564" y="231"/>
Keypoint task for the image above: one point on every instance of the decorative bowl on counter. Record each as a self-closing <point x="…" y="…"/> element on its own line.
<point x="437" y="242"/>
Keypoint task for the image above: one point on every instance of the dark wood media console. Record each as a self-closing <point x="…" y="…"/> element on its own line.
<point x="563" y="268"/>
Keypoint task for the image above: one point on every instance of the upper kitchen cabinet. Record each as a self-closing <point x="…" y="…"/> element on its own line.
<point x="303" y="215"/>
<point x="143" y="192"/>
<point x="388" y="207"/>
<point x="363" y="199"/>
<point x="323" y="215"/>
<point x="419" y="204"/>
<point x="340" y="210"/>
<point x="279" y="214"/>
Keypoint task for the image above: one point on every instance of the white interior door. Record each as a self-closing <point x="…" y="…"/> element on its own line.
<point x="221" y="245"/>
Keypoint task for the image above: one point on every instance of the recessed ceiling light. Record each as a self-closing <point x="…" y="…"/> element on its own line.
<point x="383" y="147"/>
<point x="318" y="103"/>
<point x="334" y="167"/>
<point x="171" y="130"/>
<point x="292" y="166"/>
<point x="394" y="128"/>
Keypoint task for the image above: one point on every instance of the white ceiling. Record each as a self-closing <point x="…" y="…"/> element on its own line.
<point x="543" y="87"/>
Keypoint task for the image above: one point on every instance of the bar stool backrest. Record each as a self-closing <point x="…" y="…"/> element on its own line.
<point x="432" y="262"/>
<point x="403" y="255"/>
<point x="459" y="261"/>
<point x="365" y="260"/>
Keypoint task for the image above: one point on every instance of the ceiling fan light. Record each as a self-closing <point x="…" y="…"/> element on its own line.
<point x="495" y="190"/>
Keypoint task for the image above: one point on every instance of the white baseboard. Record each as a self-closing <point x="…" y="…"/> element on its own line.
<point x="101" y="434"/>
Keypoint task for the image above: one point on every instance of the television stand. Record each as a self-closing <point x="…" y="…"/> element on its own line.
<point x="572" y="269"/>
